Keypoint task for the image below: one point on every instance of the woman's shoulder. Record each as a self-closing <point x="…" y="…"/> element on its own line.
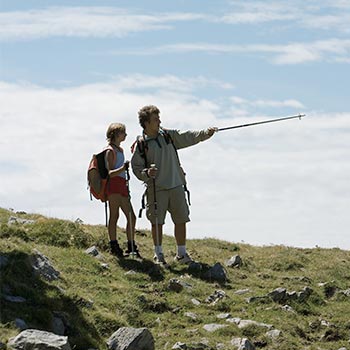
<point x="114" y="148"/>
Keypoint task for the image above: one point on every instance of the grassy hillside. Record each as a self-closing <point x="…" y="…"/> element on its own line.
<point x="96" y="300"/>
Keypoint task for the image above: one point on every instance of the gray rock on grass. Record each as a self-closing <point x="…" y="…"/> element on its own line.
<point x="38" y="340"/>
<point x="127" y="338"/>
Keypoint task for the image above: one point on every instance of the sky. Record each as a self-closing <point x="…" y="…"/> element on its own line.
<point x="70" y="68"/>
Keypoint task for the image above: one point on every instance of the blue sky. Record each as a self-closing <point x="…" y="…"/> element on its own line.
<point x="69" y="68"/>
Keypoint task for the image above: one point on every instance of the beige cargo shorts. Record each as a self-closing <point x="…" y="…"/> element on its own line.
<point x="173" y="200"/>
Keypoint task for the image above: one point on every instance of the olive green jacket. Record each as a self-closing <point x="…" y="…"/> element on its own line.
<point x="163" y="154"/>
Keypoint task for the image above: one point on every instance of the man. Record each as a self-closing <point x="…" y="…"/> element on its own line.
<point x="155" y="162"/>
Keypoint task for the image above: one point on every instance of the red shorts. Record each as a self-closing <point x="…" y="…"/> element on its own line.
<point x="117" y="184"/>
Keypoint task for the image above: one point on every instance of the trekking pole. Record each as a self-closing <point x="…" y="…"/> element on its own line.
<point x="130" y="216"/>
<point x="153" y="166"/>
<point x="262" y="122"/>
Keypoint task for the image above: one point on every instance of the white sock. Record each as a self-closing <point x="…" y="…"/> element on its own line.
<point x="181" y="250"/>
<point x="158" y="249"/>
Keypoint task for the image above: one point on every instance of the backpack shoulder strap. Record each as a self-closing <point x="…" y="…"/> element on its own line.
<point x="110" y="148"/>
<point x="167" y="137"/>
<point x="141" y="145"/>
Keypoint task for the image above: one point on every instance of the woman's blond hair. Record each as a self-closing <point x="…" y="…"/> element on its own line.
<point x="113" y="130"/>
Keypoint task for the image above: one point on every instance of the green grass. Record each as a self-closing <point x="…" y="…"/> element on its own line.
<point x="96" y="301"/>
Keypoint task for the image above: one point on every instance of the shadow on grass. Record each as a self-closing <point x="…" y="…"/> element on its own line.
<point x="41" y="303"/>
<point x="200" y="271"/>
<point x="156" y="273"/>
<point x="146" y="266"/>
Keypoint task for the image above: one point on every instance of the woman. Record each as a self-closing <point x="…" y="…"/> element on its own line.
<point x="117" y="191"/>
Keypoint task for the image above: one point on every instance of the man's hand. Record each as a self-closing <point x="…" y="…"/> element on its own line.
<point x="210" y="131"/>
<point x="152" y="171"/>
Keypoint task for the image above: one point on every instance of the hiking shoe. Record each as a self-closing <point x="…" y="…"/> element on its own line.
<point x="185" y="259"/>
<point x="129" y="251"/>
<point x="116" y="250"/>
<point x="160" y="260"/>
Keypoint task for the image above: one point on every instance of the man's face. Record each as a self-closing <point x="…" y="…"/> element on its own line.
<point x="153" y="124"/>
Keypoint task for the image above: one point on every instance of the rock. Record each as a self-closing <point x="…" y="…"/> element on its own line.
<point x="126" y="338"/>
<point x="14" y="299"/>
<point x="176" y="309"/>
<point x="246" y="323"/>
<point x="92" y="251"/>
<point x="304" y="294"/>
<point x="38" y="340"/>
<point x="20" y="324"/>
<point x="291" y="295"/>
<point x="235" y="261"/>
<point x="42" y="266"/>
<point x="278" y="295"/>
<point x="223" y="316"/>
<point x="345" y="292"/>
<point x="195" y="302"/>
<point x="242" y="344"/>
<point x="287" y="308"/>
<point x="13" y="220"/>
<point x="242" y="291"/>
<point x="194" y="267"/>
<point x="273" y="334"/>
<point x="193" y="346"/>
<point x="235" y="320"/>
<point x="177" y="285"/>
<point x="325" y="323"/>
<point x="191" y="315"/>
<point x="215" y="297"/>
<point x="216" y="273"/>
<point x="329" y="290"/>
<point x="212" y="327"/>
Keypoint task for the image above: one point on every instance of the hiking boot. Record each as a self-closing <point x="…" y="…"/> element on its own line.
<point x="160" y="260"/>
<point x="185" y="259"/>
<point x="116" y="250"/>
<point x="129" y="251"/>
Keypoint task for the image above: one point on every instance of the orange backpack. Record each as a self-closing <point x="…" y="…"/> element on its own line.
<point x="97" y="175"/>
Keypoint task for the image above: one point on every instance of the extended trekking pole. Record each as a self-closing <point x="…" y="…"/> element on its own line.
<point x="130" y="215"/>
<point x="263" y="122"/>
<point x="155" y="206"/>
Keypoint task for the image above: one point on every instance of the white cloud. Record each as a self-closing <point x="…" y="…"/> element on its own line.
<point x="325" y="15"/>
<point x="292" y="103"/>
<point x="84" y="22"/>
<point x="282" y="183"/>
<point x="260" y="12"/>
<point x="168" y="82"/>
<point x="331" y="50"/>
<point x="103" y="21"/>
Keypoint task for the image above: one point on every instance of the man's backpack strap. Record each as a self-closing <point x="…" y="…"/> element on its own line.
<point x="143" y="203"/>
